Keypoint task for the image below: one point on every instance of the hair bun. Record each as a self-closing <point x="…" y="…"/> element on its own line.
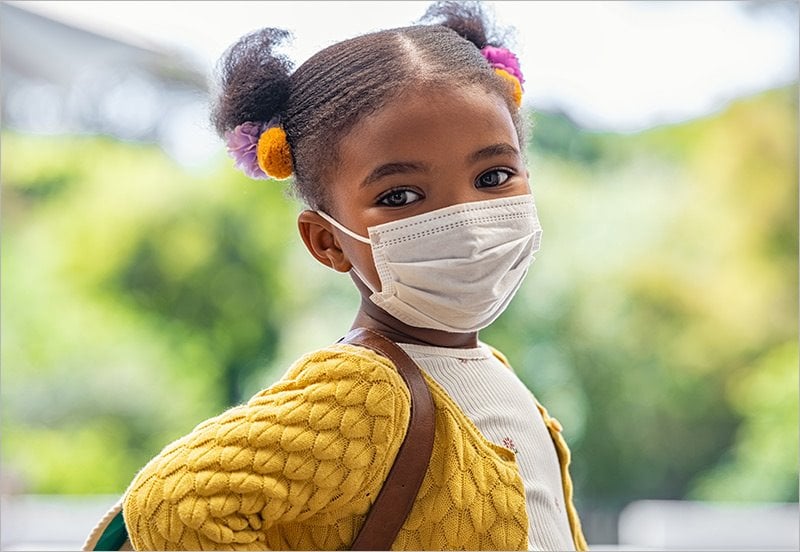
<point x="468" y="19"/>
<point x="254" y="81"/>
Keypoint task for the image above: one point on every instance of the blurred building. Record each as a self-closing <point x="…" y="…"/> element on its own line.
<point x="57" y="78"/>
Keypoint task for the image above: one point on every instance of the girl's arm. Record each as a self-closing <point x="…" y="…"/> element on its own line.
<point x="319" y="442"/>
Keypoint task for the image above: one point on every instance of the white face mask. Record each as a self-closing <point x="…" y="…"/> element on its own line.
<point x="453" y="269"/>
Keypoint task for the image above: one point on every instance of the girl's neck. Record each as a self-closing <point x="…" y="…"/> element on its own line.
<point x="374" y="318"/>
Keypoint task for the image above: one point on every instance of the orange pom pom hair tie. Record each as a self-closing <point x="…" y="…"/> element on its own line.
<point x="506" y="65"/>
<point x="260" y="150"/>
<point x="516" y="91"/>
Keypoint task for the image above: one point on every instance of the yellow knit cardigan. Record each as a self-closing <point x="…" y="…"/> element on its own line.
<point x="299" y="465"/>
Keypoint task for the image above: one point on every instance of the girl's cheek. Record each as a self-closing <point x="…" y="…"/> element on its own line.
<point x="365" y="266"/>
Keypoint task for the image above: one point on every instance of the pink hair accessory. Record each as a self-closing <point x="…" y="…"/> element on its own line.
<point x="503" y="58"/>
<point x="242" y="144"/>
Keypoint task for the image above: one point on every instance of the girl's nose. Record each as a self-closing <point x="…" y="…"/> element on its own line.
<point x="456" y="195"/>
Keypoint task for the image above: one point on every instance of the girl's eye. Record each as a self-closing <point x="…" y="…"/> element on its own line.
<point x="492" y="178"/>
<point x="398" y="198"/>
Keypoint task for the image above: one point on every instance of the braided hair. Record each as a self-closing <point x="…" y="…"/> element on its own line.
<point x="327" y="95"/>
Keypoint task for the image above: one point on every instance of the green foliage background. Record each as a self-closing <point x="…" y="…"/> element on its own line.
<point x="659" y="321"/>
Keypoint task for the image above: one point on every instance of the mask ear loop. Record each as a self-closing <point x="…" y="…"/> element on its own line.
<point x="355" y="236"/>
<point x="344" y="229"/>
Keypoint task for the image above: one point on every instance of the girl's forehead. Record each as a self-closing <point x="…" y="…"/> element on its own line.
<point x="431" y="122"/>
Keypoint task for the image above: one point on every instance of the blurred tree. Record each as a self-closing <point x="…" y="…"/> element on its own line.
<point x="211" y="271"/>
<point x="762" y="464"/>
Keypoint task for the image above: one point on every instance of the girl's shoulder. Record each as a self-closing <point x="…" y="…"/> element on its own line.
<point x="340" y="369"/>
<point x="341" y="357"/>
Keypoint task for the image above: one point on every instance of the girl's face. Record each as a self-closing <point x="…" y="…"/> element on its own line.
<point x="426" y="150"/>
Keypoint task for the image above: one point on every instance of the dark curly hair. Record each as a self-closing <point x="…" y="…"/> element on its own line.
<point x="329" y="93"/>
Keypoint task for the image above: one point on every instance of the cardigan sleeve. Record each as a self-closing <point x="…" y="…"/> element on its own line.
<point x="314" y="441"/>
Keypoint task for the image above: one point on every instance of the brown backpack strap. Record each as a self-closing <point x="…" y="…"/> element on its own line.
<point x="399" y="491"/>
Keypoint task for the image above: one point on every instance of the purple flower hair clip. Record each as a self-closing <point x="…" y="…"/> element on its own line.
<point x="503" y="58"/>
<point x="242" y="144"/>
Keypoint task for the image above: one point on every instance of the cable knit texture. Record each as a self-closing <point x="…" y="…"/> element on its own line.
<point x="299" y="465"/>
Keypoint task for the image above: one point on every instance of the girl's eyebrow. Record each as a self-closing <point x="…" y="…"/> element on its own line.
<point x="491" y="151"/>
<point x="405" y="167"/>
<point x="392" y="168"/>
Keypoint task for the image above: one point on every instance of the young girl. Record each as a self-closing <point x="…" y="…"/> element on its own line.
<point x="407" y="147"/>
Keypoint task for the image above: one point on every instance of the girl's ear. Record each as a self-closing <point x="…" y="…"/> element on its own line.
<point x="320" y="241"/>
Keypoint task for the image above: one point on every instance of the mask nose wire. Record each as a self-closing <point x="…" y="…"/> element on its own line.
<point x="343" y="228"/>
